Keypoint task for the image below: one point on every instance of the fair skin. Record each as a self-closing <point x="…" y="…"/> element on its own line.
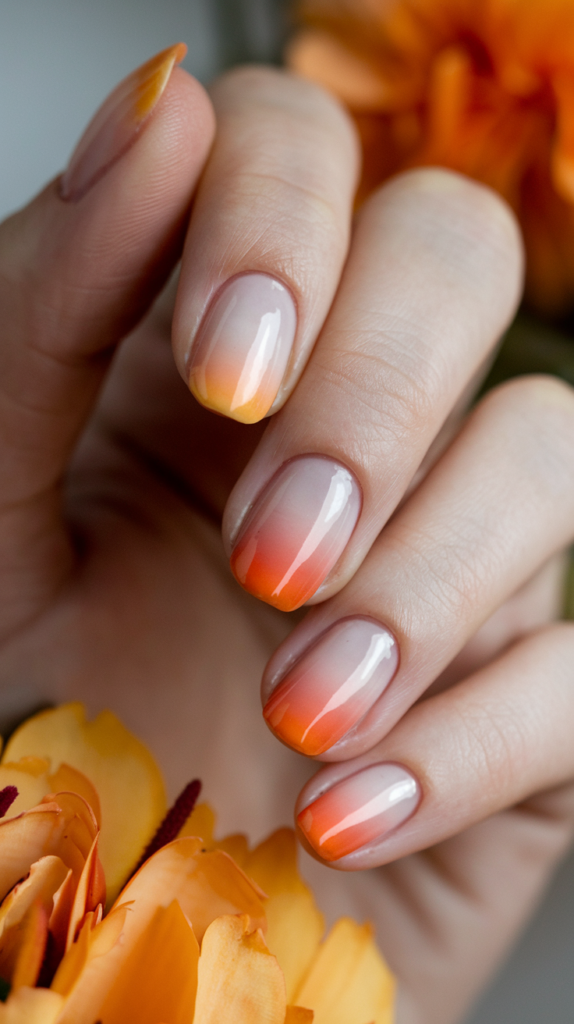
<point x="115" y="587"/>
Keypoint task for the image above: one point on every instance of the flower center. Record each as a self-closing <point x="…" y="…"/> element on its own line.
<point x="7" y="798"/>
<point x="173" y="821"/>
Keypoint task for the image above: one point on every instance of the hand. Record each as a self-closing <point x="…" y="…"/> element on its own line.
<point x="115" y="589"/>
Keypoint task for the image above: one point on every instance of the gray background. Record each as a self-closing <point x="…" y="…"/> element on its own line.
<point x="58" y="58"/>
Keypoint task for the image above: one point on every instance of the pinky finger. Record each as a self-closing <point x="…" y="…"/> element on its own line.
<point x="486" y="744"/>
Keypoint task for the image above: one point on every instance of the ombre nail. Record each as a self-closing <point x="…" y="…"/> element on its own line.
<point x="362" y="808"/>
<point x="333" y="685"/>
<point x="239" y="357"/>
<point x="118" y="122"/>
<point x="297" y="531"/>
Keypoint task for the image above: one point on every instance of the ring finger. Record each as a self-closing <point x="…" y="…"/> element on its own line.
<point x="431" y="280"/>
<point x="487" y="744"/>
<point x="498" y="505"/>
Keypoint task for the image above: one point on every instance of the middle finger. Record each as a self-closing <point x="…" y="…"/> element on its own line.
<point x="432" y="280"/>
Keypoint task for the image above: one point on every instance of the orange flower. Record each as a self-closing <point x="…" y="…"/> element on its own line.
<point x="485" y="88"/>
<point x="191" y="938"/>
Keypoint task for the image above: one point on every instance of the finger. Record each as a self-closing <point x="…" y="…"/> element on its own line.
<point x="267" y="241"/>
<point x="78" y="268"/>
<point x="431" y="280"/>
<point x="537" y="603"/>
<point x="454" y="760"/>
<point x="497" y="506"/>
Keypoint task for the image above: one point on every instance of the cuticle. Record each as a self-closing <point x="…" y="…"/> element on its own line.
<point x="294" y="660"/>
<point x="215" y="294"/>
<point x="236" y="535"/>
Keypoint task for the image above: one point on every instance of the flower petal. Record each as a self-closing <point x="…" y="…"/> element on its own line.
<point x="29" y="837"/>
<point x="79" y="976"/>
<point x="71" y="780"/>
<point x="294" y="924"/>
<point x="349" y="982"/>
<point x="298" y="1015"/>
<point x="31" y="1006"/>
<point x="43" y="881"/>
<point x="121" y="769"/>
<point x="30" y="776"/>
<point x="32" y="946"/>
<point x="159" y="980"/>
<point x="238" y="980"/>
<point x="90" y="893"/>
<point x="323" y="58"/>
<point x="205" y="884"/>
<point x="201" y="822"/>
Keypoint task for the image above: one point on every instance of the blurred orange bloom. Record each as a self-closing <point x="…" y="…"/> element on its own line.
<point x="204" y="931"/>
<point x="485" y="87"/>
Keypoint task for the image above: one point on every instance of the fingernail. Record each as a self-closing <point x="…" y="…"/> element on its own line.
<point x="118" y="122"/>
<point x="297" y="531"/>
<point x="360" y="809"/>
<point x="239" y="357"/>
<point x="332" y="685"/>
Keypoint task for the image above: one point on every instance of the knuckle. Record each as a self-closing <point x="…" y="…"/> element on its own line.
<point x="389" y="367"/>
<point x="283" y="93"/>
<point x="536" y="415"/>
<point x="467" y="230"/>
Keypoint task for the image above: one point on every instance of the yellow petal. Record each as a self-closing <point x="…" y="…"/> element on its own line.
<point x="24" y="918"/>
<point x="159" y="980"/>
<point x="32" y="785"/>
<point x="31" y="836"/>
<point x="298" y="1015"/>
<point x="43" y="881"/>
<point x="90" y="892"/>
<point x="34" y="927"/>
<point x="294" y="924"/>
<point x="85" y="962"/>
<point x="562" y="161"/>
<point x="349" y="982"/>
<point x="71" y="780"/>
<point x="201" y="822"/>
<point x="122" y="770"/>
<point x="349" y="75"/>
<point x="205" y="886"/>
<point x="238" y="979"/>
<point x="236" y="847"/>
<point x="31" y="1006"/>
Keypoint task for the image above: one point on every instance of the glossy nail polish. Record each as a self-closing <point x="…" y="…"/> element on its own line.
<point x="361" y="809"/>
<point x="332" y="685"/>
<point x="297" y="531"/>
<point x="118" y="122"/>
<point x="239" y="357"/>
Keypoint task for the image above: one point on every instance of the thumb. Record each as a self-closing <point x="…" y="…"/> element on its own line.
<point x="79" y="267"/>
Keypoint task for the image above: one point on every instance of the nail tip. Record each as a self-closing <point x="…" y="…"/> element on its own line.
<point x="118" y="123"/>
<point x="219" y="409"/>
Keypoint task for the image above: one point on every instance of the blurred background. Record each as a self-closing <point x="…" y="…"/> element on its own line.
<point x="58" y="59"/>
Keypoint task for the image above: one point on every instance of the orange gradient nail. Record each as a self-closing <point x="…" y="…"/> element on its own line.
<point x="362" y="808"/>
<point x="297" y="531"/>
<point x="118" y="122"/>
<point x="242" y="349"/>
<point x="332" y="685"/>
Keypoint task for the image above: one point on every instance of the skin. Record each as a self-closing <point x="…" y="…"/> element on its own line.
<point x="115" y="486"/>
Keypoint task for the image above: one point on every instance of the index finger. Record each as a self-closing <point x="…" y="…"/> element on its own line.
<point x="266" y="243"/>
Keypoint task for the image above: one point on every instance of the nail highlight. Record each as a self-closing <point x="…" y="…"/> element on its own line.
<point x="360" y="809"/>
<point x="332" y="685"/>
<point x="240" y="355"/>
<point x="118" y="122"/>
<point x="297" y="531"/>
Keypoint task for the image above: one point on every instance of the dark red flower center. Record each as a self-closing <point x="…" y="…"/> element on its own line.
<point x="7" y="798"/>
<point x="173" y="821"/>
